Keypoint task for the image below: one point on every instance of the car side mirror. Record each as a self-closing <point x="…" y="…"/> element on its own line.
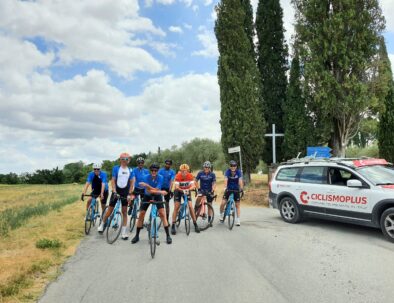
<point x="354" y="183"/>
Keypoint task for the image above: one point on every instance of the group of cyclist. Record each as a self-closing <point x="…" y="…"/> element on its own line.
<point x="156" y="184"/>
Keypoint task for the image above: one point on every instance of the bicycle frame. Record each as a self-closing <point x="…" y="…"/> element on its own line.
<point x="136" y="205"/>
<point x="114" y="211"/>
<point x="230" y="204"/>
<point x="182" y="210"/>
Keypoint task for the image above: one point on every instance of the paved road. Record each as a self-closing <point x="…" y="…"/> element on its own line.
<point x="264" y="260"/>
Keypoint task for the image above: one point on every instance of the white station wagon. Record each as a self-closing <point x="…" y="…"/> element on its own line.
<point x="359" y="191"/>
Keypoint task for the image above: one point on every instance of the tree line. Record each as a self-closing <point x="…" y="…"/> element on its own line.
<point x="194" y="153"/>
<point x="336" y="91"/>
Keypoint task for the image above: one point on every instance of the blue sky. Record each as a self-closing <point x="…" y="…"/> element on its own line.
<point x="87" y="80"/>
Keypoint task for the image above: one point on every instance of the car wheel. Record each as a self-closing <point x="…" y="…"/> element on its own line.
<point x="387" y="224"/>
<point x="289" y="210"/>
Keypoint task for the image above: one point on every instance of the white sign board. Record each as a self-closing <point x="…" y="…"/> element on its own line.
<point x="235" y="149"/>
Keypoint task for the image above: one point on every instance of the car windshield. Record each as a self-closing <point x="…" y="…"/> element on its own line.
<point x="378" y="174"/>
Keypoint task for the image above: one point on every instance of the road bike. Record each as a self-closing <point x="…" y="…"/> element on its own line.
<point x="153" y="227"/>
<point x="135" y="212"/>
<point x="205" y="213"/>
<point x="92" y="213"/>
<point x="184" y="213"/>
<point x="230" y="209"/>
<point x="114" y="223"/>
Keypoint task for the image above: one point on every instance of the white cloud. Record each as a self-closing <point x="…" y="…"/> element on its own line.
<point x="209" y="43"/>
<point x="388" y="9"/>
<point x="208" y="2"/>
<point x="91" y="30"/>
<point x="175" y="29"/>
<point x="166" y="2"/>
<point x="391" y="57"/>
<point x="86" y="118"/>
<point x="187" y="26"/>
<point x="195" y="8"/>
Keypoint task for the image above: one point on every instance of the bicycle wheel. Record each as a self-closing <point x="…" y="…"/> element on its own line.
<point x="187" y="220"/>
<point x="231" y="217"/>
<point x="133" y="219"/>
<point x="152" y="237"/>
<point x="88" y="220"/>
<point x="114" y="228"/>
<point x="202" y="216"/>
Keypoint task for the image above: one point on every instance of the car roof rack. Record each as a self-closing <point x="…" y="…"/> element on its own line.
<point x="337" y="160"/>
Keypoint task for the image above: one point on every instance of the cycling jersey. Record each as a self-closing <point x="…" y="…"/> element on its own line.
<point x="96" y="181"/>
<point x="206" y="180"/>
<point x="184" y="182"/>
<point x="168" y="176"/>
<point x="122" y="176"/>
<point x="139" y="175"/>
<point x="155" y="183"/>
<point x="233" y="180"/>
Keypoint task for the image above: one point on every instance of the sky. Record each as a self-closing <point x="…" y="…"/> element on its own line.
<point x="87" y="80"/>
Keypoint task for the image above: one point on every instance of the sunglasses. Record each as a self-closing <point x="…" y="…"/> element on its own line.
<point x="153" y="170"/>
<point x="124" y="159"/>
<point x="233" y="165"/>
<point x="96" y="169"/>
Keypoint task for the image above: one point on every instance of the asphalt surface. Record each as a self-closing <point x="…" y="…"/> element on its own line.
<point x="264" y="260"/>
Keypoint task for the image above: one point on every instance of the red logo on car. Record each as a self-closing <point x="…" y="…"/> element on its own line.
<point x="302" y="197"/>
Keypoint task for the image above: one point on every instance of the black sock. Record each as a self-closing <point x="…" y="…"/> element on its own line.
<point x="138" y="231"/>
<point x="167" y="230"/>
<point x="209" y="218"/>
<point x="195" y="223"/>
<point x="173" y="223"/>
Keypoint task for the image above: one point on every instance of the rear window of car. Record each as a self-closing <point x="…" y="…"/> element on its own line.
<point x="287" y="174"/>
<point x="313" y="174"/>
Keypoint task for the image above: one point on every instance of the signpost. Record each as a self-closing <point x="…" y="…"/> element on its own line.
<point x="318" y="152"/>
<point x="236" y="149"/>
<point x="274" y="135"/>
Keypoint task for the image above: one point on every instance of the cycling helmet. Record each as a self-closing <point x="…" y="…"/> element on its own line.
<point x="184" y="167"/>
<point x="140" y="160"/>
<point x="124" y="155"/>
<point x="154" y="166"/>
<point x="168" y="161"/>
<point x="207" y="164"/>
<point x="96" y="166"/>
<point x="233" y="163"/>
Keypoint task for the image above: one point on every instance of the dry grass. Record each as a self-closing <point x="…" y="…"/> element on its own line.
<point x="25" y="269"/>
<point x="16" y="196"/>
<point x="255" y="194"/>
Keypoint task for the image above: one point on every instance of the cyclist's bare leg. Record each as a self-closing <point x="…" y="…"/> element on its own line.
<point x="198" y="201"/>
<point x="192" y="213"/>
<point x="163" y="217"/>
<point x="224" y="201"/>
<point x="238" y="205"/>
<point x="88" y="203"/>
<point x="175" y="212"/>
<point x="141" y="218"/>
<point x="124" y="213"/>
<point x="108" y="213"/>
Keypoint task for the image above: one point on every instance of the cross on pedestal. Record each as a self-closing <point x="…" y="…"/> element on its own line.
<point x="274" y="135"/>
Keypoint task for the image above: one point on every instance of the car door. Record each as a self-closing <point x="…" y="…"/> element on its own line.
<point x="341" y="200"/>
<point x="311" y="181"/>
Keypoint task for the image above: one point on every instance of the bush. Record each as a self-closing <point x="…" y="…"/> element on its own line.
<point x="356" y="152"/>
<point x="46" y="243"/>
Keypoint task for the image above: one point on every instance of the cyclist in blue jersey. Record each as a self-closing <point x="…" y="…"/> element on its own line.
<point x="98" y="180"/>
<point x="206" y="185"/>
<point x="139" y="173"/>
<point x="153" y="192"/>
<point x="122" y="184"/>
<point x="233" y="180"/>
<point x="168" y="175"/>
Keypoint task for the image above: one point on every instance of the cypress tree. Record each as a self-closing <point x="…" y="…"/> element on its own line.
<point x="339" y="42"/>
<point x="272" y="63"/>
<point x="240" y="117"/>
<point x="299" y="127"/>
<point x="386" y="121"/>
